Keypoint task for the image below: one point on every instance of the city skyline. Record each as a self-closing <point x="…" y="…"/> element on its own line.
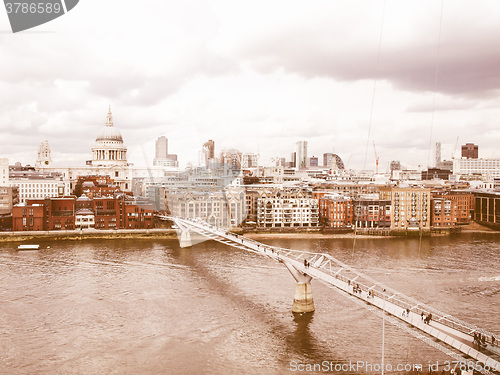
<point x="150" y="157"/>
<point x="257" y="77"/>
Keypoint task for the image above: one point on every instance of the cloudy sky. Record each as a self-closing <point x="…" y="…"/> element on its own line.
<point x="257" y="76"/>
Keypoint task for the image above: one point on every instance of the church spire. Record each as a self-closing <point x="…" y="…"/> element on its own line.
<point x="109" y="118"/>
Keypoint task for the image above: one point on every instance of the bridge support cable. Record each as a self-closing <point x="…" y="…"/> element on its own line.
<point x="305" y="266"/>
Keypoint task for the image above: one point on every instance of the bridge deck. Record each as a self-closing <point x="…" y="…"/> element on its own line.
<point x="332" y="272"/>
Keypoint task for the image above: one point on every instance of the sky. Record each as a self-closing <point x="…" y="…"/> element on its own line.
<point x="258" y="77"/>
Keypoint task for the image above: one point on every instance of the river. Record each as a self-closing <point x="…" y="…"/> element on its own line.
<point x="150" y="307"/>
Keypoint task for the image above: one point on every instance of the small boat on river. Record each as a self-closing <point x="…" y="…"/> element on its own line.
<point x="28" y="247"/>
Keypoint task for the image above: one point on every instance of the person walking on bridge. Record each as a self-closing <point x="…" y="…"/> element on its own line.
<point x="428" y="318"/>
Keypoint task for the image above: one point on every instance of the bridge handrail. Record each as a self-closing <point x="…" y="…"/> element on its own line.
<point x="404" y="302"/>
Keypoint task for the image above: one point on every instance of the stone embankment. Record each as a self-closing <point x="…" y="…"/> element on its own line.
<point x="85" y="234"/>
<point x="162" y="233"/>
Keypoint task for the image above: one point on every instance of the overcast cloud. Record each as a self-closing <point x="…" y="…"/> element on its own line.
<point x="257" y="76"/>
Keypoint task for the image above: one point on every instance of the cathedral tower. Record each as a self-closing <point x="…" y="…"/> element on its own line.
<point x="109" y="149"/>
<point x="43" y="160"/>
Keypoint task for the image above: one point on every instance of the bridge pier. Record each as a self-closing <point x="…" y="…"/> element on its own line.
<point x="184" y="236"/>
<point x="185" y="239"/>
<point x="303" y="300"/>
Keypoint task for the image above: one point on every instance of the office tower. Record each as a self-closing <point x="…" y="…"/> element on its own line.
<point x="249" y="160"/>
<point x="395" y="165"/>
<point x="293" y="160"/>
<point x="162" y="157"/>
<point x="231" y="158"/>
<point x="333" y="161"/>
<point x="327" y="159"/>
<point x="209" y="151"/>
<point x="281" y="162"/>
<point x="161" y="148"/>
<point x="438" y="155"/>
<point x="301" y="157"/>
<point x="470" y="151"/>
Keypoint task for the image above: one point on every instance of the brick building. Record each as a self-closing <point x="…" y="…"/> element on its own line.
<point x="335" y="211"/>
<point x="372" y="213"/>
<point x="443" y="212"/>
<point x="470" y="151"/>
<point x="347" y="188"/>
<point x="109" y="212"/>
<point x="252" y="208"/>
<point x="60" y="213"/>
<point x="96" y="186"/>
<point x="67" y="213"/>
<point x="138" y="216"/>
<point x="451" y="208"/>
<point x="45" y="214"/>
<point x="28" y="217"/>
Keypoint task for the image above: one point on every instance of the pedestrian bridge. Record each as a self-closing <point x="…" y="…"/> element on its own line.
<point x="419" y="319"/>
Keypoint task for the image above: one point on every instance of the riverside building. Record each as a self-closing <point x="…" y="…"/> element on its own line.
<point x="223" y="208"/>
<point x="287" y="208"/>
<point x="487" y="209"/>
<point x="410" y="207"/>
<point x="451" y="208"/>
<point x="372" y="213"/>
<point x="336" y="211"/>
<point x="70" y="212"/>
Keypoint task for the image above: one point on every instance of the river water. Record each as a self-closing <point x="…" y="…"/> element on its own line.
<point x="150" y="307"/>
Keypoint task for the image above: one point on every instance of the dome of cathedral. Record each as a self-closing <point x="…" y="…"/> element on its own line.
<point x="109" y="149"/>
<point x="109" y="132"/>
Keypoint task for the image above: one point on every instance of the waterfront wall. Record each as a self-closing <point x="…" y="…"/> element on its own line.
<point x="166" y="233"/>
<point x="87" y="234"/>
